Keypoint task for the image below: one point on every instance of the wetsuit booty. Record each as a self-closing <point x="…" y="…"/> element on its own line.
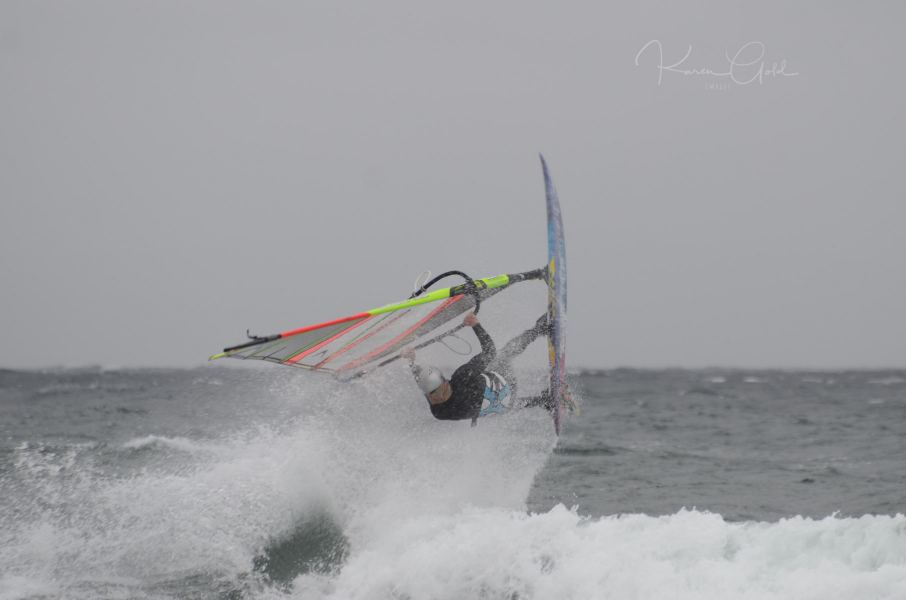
<point x="546" y="401"/>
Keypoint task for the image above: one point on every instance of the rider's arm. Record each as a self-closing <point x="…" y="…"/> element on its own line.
<point x="488" y="351"/>
<point x="481" y="360"/>
<point x="409" y="355"/>
<point x="487" y="344"/>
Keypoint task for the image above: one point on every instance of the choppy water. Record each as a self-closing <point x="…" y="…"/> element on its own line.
<point x="269" y="483"/>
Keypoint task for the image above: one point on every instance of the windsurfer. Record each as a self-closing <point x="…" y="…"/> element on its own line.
<point x="487" y="380"/>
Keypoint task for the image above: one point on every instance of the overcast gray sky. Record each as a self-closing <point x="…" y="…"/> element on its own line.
<point x="174" y="172"/>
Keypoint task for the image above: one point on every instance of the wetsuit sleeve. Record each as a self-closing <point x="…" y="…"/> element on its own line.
<point x="488" y="350"/>
<point x="415" y="370"/>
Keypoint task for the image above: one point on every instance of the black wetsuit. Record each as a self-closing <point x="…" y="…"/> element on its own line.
<point x="468" y="383"/>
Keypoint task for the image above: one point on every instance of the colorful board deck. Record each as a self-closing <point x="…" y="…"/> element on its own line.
<point x="556" y="302"/>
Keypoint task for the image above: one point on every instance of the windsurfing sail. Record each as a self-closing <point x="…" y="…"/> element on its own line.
<point x="352" y="346"/>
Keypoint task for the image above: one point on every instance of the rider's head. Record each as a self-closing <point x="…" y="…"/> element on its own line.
<point x="434" y="385"/>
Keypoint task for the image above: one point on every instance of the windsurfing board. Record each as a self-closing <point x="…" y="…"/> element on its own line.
<point x="556" y="303"/>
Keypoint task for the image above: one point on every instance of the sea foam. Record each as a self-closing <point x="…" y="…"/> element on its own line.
<point x="491" y="553"/>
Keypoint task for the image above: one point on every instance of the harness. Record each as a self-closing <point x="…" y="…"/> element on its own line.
<point x="497" y="394"/>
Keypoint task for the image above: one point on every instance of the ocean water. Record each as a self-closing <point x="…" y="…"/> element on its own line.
<point x="270" y="483"/>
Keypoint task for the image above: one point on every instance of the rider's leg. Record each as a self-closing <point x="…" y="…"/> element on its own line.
<point x="518" y="344"/>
